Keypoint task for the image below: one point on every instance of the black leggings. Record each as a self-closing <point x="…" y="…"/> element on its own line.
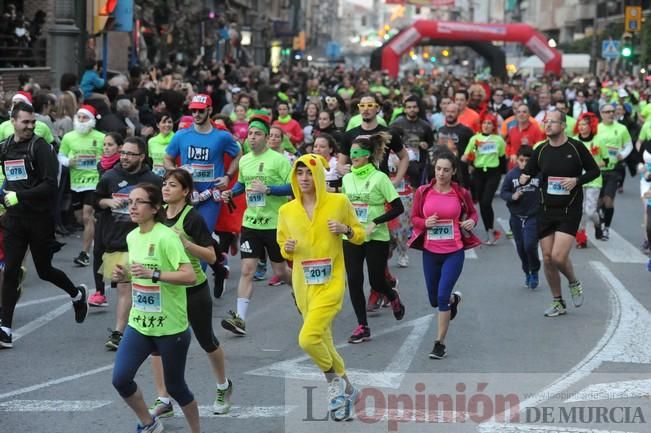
<point x="648" y="222"/>
<point x="376" y="254"/>
<point x="37" y="233"/>
<point x="200" y="316"/>
<point x="485" y="184"/>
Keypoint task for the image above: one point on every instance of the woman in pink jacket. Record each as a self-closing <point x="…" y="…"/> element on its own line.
<point x="289" y="126"/>
<point x="443" y="216"/>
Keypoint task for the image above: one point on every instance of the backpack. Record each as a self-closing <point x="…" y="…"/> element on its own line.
<point x="31" y="151"/>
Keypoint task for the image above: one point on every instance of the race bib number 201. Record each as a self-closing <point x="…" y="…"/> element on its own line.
<point x="317" y="271"/>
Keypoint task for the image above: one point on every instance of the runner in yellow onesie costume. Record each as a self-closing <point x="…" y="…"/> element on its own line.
<point x="310" y="230"/>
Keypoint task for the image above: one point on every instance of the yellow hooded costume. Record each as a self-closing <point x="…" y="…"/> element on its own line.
<point x="318" y="272"/>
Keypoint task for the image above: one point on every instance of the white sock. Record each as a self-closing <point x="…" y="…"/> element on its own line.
<point x="165" y="400"/>
<point x="77" y="297"/>
<point x="7" y="330"/>
<point x="242" y="306"/>
<point x="223" y="386"/>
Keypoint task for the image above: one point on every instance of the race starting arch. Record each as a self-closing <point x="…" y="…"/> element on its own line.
<point x="468" y="32"/>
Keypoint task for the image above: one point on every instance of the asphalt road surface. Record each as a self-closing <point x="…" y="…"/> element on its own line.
<point x="587" y="371"/>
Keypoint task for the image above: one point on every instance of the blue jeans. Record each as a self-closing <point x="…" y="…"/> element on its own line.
<point x="133" y="351"/>
<point x="525" y="234"/>
<point x="441" y="274"/>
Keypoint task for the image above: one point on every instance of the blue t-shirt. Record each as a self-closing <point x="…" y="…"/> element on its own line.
<point x="203" y="153"/>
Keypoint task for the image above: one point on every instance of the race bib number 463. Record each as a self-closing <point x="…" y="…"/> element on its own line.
<point x="554" y="186"/>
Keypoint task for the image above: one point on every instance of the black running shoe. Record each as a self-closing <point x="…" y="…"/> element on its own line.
<point x="81" y="306"/>
<point x="82" y="259"/>
<point x="114" y="340"/>
<point x="454" y="306"/>
<point x="5" y="340"/>
<point x="438" y="352"/>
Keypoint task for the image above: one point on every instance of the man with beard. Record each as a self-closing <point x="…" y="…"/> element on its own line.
<point x="564" y="165"/>
<point x="80" y="150"/>
<point x="110" y="199"/>
<point x="30" y="168"/>
<point x="455" y="137"/>
<point x="418" y="138"/>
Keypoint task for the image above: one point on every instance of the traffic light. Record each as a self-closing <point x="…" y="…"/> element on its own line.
<point x="627" y="52"/>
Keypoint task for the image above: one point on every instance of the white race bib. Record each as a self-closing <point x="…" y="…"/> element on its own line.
<point x="203" y="172"/>
<point x="317" y="271"/>
<point x="255" y="199"/>
<point x="443" y="230"/>
<point x="86" y="162"/>
<point x="15" y="170"/>
<point x="487" y="148"/>
<point x="554" y="186"/>
<point x="612" y="152"/>
<point x="159" y="170"/>
<point x="361" y="210"/>
<point x="146" y="298"/>
<point x="124" y="198"/>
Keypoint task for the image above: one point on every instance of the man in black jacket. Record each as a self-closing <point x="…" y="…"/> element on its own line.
<point x="30" y="168"/>
<point x="115" y="223"/>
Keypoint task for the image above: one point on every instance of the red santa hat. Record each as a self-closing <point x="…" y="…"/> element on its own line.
<point x="89" y="110"/>
<point x="21" y="96"/>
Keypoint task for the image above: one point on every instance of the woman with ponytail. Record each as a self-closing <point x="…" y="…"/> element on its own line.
<point x="368" y="189"/>
<point x="585" y="130"/>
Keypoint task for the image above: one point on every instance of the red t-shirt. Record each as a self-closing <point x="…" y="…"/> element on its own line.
<point x="470" y="118"/>
<point x="517" y="137"/>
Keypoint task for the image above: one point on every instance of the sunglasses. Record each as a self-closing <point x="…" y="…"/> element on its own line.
<point x="367" y="105"/>
<point x="198" y="110"/>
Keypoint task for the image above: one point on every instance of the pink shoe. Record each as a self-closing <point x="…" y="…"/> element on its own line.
<point x="97" y="300"/>
<point x="275" y="281"/>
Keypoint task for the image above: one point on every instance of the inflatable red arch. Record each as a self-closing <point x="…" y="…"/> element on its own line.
<point x="458" y="31"/>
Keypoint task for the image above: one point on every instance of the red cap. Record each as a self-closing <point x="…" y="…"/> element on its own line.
<point x="89" y="111"/>
<point x="200" y="101"/>
<point x="21" y="96"/>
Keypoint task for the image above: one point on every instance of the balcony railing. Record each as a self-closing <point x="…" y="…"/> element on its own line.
<point x="17" y="53"/>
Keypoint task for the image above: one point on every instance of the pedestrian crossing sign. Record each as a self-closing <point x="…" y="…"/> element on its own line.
<point x="610" y="49"/>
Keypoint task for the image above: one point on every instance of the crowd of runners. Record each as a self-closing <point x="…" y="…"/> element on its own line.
<point x="308" y="175"/>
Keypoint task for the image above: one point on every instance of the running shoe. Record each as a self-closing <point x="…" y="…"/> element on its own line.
<point x="509" y="234"/>
<point x="403" y="261"/>
<point x="113" y="341"/>
<point x="557" y="308"/>
<point x="161" y="409"/>
<point x="598" y="231"/>
<point x="397" y="307"/>
<point x="81" y="306"/>
<point x="336" y="397"/>
<point x="454" y="305"/>
<point x="235" y="324"/>
<point x="154" y="427"/>
<point x="223" y="400"/>
<point x="439" y="351"/>
<point x="527" y="280"/>
<point x="82" y="259"/>
<point x="577" y="293"/>
<point x="648" y="266"/>
<point x="347" y="411"/>
<point x="5" y="340"/>
<point x="260" y="271"/>
<point x="374" y="302"/>
<point x="492" y="238"/>
<point x="534" y="280"/>
<point x="360" y="334"/>
<point x="275" y="281"/>
<point x="97" y="300"/>
<point x="606" y="234"/>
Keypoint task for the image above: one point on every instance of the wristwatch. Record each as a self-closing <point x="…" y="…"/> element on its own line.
<point x="155" y="276"/>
